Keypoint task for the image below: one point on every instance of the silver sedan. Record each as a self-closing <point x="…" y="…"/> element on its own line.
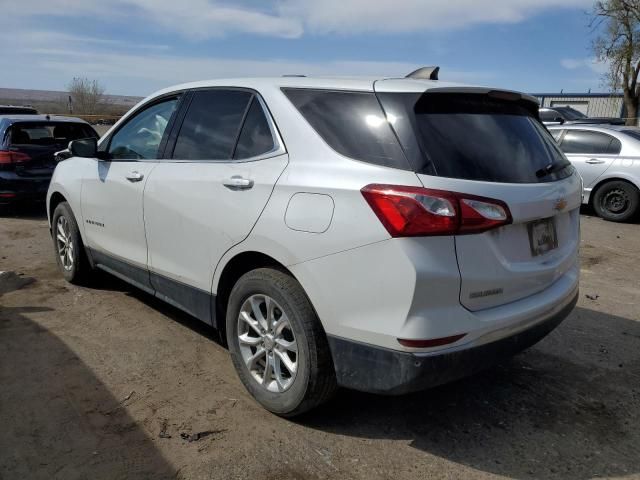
<point x="608" y="159"/>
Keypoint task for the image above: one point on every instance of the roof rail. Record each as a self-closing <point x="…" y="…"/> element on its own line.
<point x="293" y="75"/>
<point x="425" y="73"/>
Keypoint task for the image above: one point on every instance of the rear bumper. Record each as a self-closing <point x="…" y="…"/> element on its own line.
<point x="15" y="188"/>
<point x="379" y="370"/>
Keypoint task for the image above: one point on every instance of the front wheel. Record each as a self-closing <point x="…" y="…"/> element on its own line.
<point x="70" y="255"/>
<point x="616" y="201"/>
<point x="277" y="343"/>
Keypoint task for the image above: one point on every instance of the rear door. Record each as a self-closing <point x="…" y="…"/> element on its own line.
<point x="223" y="161"/>
<point x="590" y="152"/>
<point x="490" y="144"/>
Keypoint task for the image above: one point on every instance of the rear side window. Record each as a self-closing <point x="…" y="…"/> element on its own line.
<point x="590" y="143"/>
<point x="474" y="136"/>
<point x="255" y="138"/>
<point x="48" y="134"/>
<point x="212" y="124"/>
<point x="352" y="123"/>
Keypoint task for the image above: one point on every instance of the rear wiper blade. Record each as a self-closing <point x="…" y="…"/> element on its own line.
<point x="549" y="169"/>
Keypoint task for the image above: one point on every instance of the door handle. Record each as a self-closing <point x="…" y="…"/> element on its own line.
<point x="134" y="176"/>
<point x="238" y="183"/>
<point x="594" y="161"/>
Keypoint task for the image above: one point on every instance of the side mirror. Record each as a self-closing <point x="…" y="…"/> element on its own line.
<point x="84" y="147"/>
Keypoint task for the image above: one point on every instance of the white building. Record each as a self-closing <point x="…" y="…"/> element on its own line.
<point x="591" y="104"/>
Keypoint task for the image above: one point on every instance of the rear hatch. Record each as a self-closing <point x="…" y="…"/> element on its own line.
<point x="491" y="144"/>
<point x="30" y="146"/>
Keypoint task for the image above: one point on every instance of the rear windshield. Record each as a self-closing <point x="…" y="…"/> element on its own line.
<point x="49" y="133"/>
<point x="474" y="137"/>
<point x="570" y="114"/>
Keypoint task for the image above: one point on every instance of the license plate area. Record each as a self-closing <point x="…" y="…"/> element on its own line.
<point x="542" y="236"/>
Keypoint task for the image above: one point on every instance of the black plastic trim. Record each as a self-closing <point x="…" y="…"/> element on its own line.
<point x="378" y="370"/>
<point x="192" y="300"/>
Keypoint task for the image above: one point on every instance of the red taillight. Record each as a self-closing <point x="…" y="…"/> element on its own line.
<point x="430" y="342"/>
<point x="417" y="211"/>
<point x="8" y="156"/>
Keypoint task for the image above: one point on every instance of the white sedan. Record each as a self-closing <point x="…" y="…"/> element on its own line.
<point x="608" y="159"/>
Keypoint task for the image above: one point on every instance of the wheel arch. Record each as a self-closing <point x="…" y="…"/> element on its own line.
<point x="232" y="270"/>
<point x="55" y="199"/>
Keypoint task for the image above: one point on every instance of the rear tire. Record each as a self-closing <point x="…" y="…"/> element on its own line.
<point x="69" y="249"/>
<point x="616" y="201"/>
<point x="272" y="328"/>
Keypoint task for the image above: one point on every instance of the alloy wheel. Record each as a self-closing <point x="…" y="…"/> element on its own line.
<point x="267" y="343"/>
<point x="64" y="243"/>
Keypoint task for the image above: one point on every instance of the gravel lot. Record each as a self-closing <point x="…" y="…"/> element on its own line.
<point x="104" y="383"/>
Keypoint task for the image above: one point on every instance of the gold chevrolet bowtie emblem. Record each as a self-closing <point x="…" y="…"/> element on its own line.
<point x="560" y="204"/>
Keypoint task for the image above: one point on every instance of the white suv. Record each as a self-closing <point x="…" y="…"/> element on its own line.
<point x="382" y="235"/>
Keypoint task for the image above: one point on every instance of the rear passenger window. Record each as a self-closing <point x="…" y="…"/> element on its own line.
<point x="255" y="138"/>
<point x="352" y="123"/>
<point x="591" y="143"/>
<point x="211" y="125"/>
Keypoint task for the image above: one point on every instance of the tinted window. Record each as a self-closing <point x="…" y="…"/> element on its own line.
<point x="140" y="137"/>
<point x="49" y="134"/>
<point x="592" y="143"/>
<point x="352" y="123"/>
<point x="475" y="137"/>
<point x="633" y="133"/>
<point x="212" y="124"/>
<point x="255" y="137"/>
<point x="571" y="113"/>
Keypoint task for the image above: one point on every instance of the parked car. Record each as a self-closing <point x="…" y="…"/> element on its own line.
<point x="569" y="116"/>
<point x="385" y="235"/>
<point x="608" y="160"/>
<point x="17" y="110"/>
<point x="27" y="147"/>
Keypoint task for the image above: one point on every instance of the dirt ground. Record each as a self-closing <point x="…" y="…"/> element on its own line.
<point x="104" y="383"/>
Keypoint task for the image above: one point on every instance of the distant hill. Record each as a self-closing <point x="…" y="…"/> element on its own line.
<point x="22" y="96"/>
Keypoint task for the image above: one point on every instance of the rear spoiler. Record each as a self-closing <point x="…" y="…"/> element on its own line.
<point x="528" y="101"/>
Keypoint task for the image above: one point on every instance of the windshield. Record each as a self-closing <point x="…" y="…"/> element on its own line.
<point x="474" y="137"/>
<point x="49" y="133"/>
<point x="632" y="133"/>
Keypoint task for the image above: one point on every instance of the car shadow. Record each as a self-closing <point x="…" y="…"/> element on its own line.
<point x="567" y="408"/>
<point x="58" y="419"/>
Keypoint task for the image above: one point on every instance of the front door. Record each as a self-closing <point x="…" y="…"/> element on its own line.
<point x="112" y="192"/>
<point x="206" y="197"/>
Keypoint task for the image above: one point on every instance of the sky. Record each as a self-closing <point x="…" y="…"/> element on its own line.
<point x="134" y="47"/>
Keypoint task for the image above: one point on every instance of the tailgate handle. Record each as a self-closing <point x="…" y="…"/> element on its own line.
<point x="594" y="161"/>
<point x="238" y="183"/>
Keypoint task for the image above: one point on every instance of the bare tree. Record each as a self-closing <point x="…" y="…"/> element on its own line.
<point x="618" y="44"/>
<point x="87" y="95"/>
